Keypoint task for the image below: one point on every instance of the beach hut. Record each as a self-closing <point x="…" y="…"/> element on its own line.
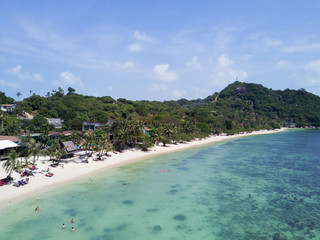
<point x="70" y="148"/>
<point x="5" y="146"/>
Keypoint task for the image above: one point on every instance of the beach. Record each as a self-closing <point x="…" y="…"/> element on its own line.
<point x="74" y="170"/>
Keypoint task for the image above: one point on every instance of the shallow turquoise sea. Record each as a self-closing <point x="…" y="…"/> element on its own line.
<point x="258" y="187"/>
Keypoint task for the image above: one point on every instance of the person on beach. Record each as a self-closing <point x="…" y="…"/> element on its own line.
<point x="63" y="226"/>
<point x="37" y="208"/>
<point x="73" y="229"/>
<point x="72" y="220"/>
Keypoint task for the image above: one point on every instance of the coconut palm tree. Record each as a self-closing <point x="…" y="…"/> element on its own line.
<point x="104" y="144"/>
<point x="12" y="163"/>
<point x="34" y="149"/>
<point x="51" y="148"/>
<point x="89" y="139"/>
<point x="60" y="153"/>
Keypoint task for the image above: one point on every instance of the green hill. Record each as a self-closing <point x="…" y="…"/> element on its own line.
<point x="239" y="107"/>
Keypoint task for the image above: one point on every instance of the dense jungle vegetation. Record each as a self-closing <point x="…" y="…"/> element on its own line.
<point x="237" y="108"/>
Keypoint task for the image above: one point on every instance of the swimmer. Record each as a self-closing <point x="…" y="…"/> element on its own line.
<point x="72" y="229"/>
<point x="37" y="208"/>
<point x="63" y="226"/>
<point x="72" y="220"/>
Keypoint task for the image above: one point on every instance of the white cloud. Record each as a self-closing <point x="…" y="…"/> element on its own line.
<point x="16" y="71"/>
<point x="138" y="46"/>
<point x="110" y="88"/>
<point x="224" y="61"/>
<point x="141" y="36"/>
<point x="163" y="74"/>
<point x="135" y="47"/>
<point x="178" y="93"/>
<point x="68" y="79"/>
<point x="194" y="63"/>
<point x="223" y="73"/>
<point x="9" y="84"/>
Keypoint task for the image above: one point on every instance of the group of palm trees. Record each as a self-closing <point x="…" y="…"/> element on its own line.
<point x="32" y="149"/>
<point x="125" y="132"/>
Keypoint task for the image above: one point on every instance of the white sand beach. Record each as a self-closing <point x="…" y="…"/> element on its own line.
<point x="74" y="170"/>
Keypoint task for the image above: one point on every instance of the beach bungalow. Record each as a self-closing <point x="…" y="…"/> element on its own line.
<point x="5" y="146"/>
<point x="70" y="148"/>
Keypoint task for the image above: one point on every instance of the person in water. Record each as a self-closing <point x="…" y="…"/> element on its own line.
<point x="72" y="220"/>
<point x="73" y="229"/>
<point x="63" y="226"/>
<point x="37" y="208"/>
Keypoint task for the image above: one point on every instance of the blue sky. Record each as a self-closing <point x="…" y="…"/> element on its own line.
<point x="157" y="50"/>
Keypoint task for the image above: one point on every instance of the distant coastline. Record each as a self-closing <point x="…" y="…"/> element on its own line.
<point x="74" y="170"/>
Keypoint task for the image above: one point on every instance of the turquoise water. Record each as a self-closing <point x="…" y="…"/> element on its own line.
<point x="259" y="187"/>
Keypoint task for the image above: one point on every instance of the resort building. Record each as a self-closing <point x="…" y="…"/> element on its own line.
<point x="7" y="107"/>
<point x="7" y="143"/>
<point x="96" y="125"/>
<point x="56" y="122"/>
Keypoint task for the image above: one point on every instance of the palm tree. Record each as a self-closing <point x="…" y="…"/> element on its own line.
<point x="18" y="95"/>
<point x="12" y="163"/>
<point x="51" y="148"/>
<point x="88" y="143"/>
<point x="104" y="144"/>
<point x="34" y="149"/>
<point x="60" y="153"/>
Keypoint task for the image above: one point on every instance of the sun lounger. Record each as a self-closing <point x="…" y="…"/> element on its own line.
<point x="49" y="174"/>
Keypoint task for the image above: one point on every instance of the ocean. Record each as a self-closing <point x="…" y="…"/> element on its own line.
<point x="257" y="187"/>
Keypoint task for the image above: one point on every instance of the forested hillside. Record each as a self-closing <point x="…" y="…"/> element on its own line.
<point x="238" y="107"/>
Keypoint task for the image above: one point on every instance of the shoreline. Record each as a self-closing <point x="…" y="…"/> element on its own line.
<point x="74" y="171"/>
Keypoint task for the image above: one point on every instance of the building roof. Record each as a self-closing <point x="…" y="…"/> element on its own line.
<point x="55" y="121"/>
<point x="7" y="144"/>
<point x="6" y="105"/>
<point x="69" y="145"/>
<point x="66" y="133"/>
<point x="11" y="138"/>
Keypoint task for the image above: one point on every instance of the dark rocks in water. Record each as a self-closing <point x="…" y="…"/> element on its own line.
<point x="156" y="228"/>
<point x="107" y="230"/>
<point x="121" y="227"/>
<point x="183" y="168"/>
<point x="173" y="191"/>
<point x="152" y="210"/>
<point x="128" y="202"/>
<point x="179" y="217"/>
